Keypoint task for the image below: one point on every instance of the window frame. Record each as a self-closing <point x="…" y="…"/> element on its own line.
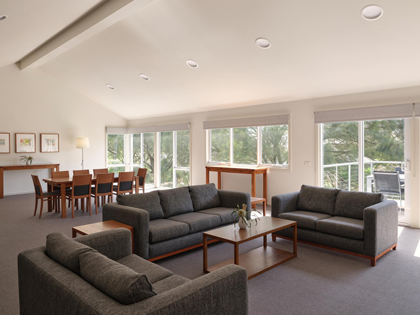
<point x="259" y="150"/>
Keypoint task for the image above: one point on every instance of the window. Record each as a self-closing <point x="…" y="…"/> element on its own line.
<point x="175" y="158"/>
<point x="116" y="153"/>
<point x="381" y="145"/>
<point x="243" y="142"/>
<point x="131" y="149"/>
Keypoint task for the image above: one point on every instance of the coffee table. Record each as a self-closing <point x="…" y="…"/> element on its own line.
<point x="258" y="260"/>
<point x="102" y="226"/>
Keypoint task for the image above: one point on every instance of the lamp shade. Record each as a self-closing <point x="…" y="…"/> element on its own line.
<point x="82" y="143"/>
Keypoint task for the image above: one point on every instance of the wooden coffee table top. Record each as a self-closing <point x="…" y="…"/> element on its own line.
<point x="99" y="227"/>
<point x="264" y="226"/>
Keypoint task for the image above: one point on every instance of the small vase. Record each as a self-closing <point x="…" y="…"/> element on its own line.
<point x="242" y="224"/>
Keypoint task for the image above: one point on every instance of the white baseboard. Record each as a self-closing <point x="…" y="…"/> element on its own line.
<point x="19" y="193"/>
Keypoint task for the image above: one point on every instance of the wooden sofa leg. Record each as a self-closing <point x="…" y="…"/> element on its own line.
<point x="395" y="247"/>
<point x="373" y="262"/>
<point x="273" y="237"/>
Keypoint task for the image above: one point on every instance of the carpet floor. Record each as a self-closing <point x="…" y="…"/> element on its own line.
<point x="318" y="281"/>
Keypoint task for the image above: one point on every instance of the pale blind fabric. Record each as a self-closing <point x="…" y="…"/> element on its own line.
<point x="173" y="127"/>
<point x="273" y="120"/>
<point x="140" y="129"/>
<point x="365" y="113"/>
<point x="116" y="130"/>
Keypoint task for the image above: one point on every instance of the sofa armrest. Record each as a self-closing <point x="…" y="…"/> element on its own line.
<point x="230" y="199"/>
<point x="137" y="218"/>
<point x="380" y="227"/>
<point x="224" y="291"/>
<point x="284" y="203"/>
<point x="114" y="244"/>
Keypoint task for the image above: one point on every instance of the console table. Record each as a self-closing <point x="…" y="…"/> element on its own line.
<point x="23" y="167"/>
<point x="253" y="171"/>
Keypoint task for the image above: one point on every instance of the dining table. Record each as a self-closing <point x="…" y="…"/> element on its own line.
<point x="65" y="182"/>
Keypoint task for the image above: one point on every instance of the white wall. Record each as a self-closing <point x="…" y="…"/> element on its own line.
<point x="35" y="102"/>
<point x="303" y="139"/>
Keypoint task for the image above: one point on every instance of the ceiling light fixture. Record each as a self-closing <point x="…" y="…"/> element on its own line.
<point x="110" y="86"/>
<point x="372" y="12"/>
<point x="3" y="17"/>
<point x="263" y="43"/>
<point x="192" y="63"/>
<point x="143" y="76"/>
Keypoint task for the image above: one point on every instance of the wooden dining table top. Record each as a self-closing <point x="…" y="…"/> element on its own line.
<point x="69" y="180"/>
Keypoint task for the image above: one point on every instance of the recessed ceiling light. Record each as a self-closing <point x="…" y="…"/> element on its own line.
<point x="372" y="12"/>
<point x="192" y="63"/>
<point x="110" y="86"/>
<point x="3" y="17"/>
<point x="143" y="76"/>
<point x="263" y="43"/>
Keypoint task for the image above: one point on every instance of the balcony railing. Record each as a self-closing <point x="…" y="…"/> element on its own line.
<point x="346" y="175"/>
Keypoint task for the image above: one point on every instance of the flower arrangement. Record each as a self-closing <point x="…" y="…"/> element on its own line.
<point x="27" y="159"/>
<point x="243" y="217"/>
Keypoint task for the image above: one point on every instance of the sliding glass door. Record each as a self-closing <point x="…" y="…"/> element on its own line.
<point x="352" y="151"/>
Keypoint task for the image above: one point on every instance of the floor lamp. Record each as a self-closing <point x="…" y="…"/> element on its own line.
<point x="82" y="143"/>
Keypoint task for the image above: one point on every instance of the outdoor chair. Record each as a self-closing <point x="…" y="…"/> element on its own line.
<point x="388" y="183"/>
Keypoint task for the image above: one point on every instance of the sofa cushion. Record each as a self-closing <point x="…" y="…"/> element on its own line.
<point x="198" y="221"/>
<point x="152" y="271"/>
<point x="352" y="203"/>
<point x="175" y="201"/>
<point x="317" y="199"/>
<point x="304" y="219"/>
<point x="65" y="251"/>
<point x="341" y="226"/>
<point x="119" y="282"/>
<point x="169" y="283"/>
<point x="204" y="196"/>
<point x="148" y="201"/>
<point x="225" y="214"/>
<point x="162" y="230"/>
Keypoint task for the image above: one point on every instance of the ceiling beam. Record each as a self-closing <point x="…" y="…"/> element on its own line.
<point x="92" y="23"/>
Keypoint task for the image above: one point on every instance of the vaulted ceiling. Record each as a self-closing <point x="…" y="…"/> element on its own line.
<point x="318" y="48"/>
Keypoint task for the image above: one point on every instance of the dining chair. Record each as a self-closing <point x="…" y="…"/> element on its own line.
<point x="103" y="188"/>
<point x="81" y="172"/>
<point x="100" y="171"/>
<point x="47" y="196"/>
<point x="141" y="174"/>
<point x="125" y="183"/>
<point x="81" y="189"/>
<point x="388" y="183"/>
<point x="60" y="174"/>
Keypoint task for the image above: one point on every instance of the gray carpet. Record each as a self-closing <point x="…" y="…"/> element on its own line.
<point x="316" y="282"/>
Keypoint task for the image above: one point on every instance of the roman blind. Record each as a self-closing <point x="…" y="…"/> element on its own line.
<point x="116" y="130"/>
<point x="273" y="120"/>
<point x="417" y="109"/>
<point x="365" y="113"/>
<point x="140" y="129"/>
<point x="173" y="127"/>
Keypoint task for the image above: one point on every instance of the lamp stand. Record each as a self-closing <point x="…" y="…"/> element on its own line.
<point x="82" y="158"/>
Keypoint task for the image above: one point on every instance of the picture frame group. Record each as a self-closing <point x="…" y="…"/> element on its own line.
<point x="26" y="142"/>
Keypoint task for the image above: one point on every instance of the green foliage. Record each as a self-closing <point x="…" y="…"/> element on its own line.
<point x="275" y="145"/>
<point x="220" y="145"/>
<point x="383" y="141"/>
<point x="245" y="145"/>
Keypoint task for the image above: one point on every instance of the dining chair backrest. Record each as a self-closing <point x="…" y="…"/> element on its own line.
<point x="100" y="171"/>
<point x="104" y="183"/>
<point x="60" y="174"/>
<point x="81" y="172"/>
<point x="37" y="185"/>
<point x="387" y="182"/>
<point x="81" y="185"/>
<point x="141" y="174"/>
<point x="125" y="181"/>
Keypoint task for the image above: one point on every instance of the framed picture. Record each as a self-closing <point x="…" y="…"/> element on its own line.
<point x="4" y="142"/>
<point x="50" y="143"/>
<point x="25" y="142"/>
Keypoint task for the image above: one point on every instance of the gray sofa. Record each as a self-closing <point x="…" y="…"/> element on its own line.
<point x="357" y="223"/>
<point x="97" y="274"/>
<point x="169" y="221"/>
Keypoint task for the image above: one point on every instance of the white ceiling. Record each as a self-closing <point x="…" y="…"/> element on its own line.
<point x="319" y="48"/>
<point x="31" y="23"/>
